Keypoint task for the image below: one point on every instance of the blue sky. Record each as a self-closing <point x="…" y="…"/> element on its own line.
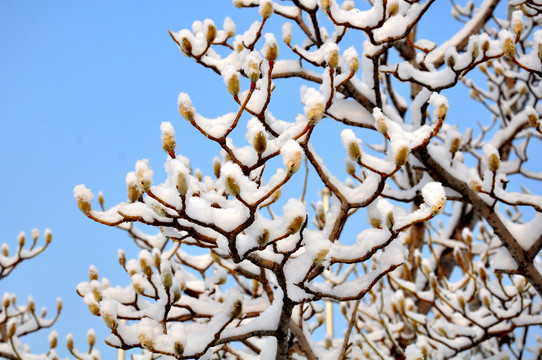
<point x="84" y="87"/>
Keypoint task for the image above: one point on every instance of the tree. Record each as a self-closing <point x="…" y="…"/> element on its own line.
<point x="17" y="320"/>
<point x="448" y="264"/>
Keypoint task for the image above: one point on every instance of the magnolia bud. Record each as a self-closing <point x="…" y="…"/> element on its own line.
<point x="266" y="8"/>
<point x="454" y="146"/>
<point x="185" y="107"/>
<point x="186" y="45"/>
<point x="144" y="174"/>
<point x="393" y="8"/>
<point x="178" y="348"/>
<point x="252" y="66"/>
<point x="5" y="250"/>
<point x="237" y="309"/>
<point x="263" y="238"/>
<point x="94" y="309"/>
<point x="376" y="222"/>
<point x="91" y="337"/>
<point x="134" y="191"/>
<point x="461" y="301"/>
<point x="229" y="27"/>
<point x="92" y="273"/>
<point x="69" y="342"/>
<point x="320" y="256"/>
<point x="354" y="152"/>
<point x="295" y="225"/>
<point x="167" y="276"/>
<point x="441" y="112"/>
<point x="53" y="339"/>
<point x="182" y="183"/>
<point x="232" y="186"/>
<point x="84" y="197"/>
<point x="353" y="64"/>
<point x="287" y="33"/>
<point x="145" y="262"/>
<point x="168" y="137"/>
<point x="59" y="304"/>
<point x="401" y="154"/>
<point x="260" y="142"/>
<point x="494" y="162"/>
<point x="517" y="22"/>
<point x="315" y="113"/>
<point x="450" y="61"/>
<point x="121" y="257"/>
<point x="231" y="79"/>
<point x="101" y="199"/>
<point x="332" y="55"/>
<point x="210" y="31"/>
<point x="381" y="125"/>
<point x="294" y="163"/>
<point x="145" y="340"/>
<point x="12" y="329"/>
<point x="21" y="239"/>
<point x="350" y="168"/>
<point x="325" y="5"/>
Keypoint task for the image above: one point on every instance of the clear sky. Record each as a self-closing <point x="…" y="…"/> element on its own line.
<point x="84" y="86"/>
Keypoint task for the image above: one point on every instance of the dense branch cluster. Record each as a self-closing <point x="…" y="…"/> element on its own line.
<point x="229" y="275"/>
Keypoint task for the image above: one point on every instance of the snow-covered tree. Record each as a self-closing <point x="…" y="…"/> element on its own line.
<point x="447" y="264"/>
<point x="18" y="320"/>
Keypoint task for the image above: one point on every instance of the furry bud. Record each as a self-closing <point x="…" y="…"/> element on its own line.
<point x="295" y="225"/>
<point x="266" y="9"/>
<point x="260" y="142"/>
<point x="182" y="183"/>
<point x="237" y="309"/>
<point x="84" y="197"/>
<point x="263" y="238"/>
<point x="232" y="186"/>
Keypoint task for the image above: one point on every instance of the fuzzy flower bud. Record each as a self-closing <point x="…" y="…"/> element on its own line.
<point x="325" y="5"/>
<point x="401" y="152"/>
<point x="263" y="238"/>
<point x="178" y="348"/>
<point x="166" y="275"/>
<point x="132" y="185"/>
<point x="121" y="257"/>
<point x="231" y="79"/>
<point x="185" y="107"/>
<point x="331" y="55"/>
<point x="21" y="239"/>
<point x="232" y="186"/>
<point x="209" y="30"/>
<point x="252" y="66"/>
<point x="493" y="157"/>
<point x="271" y="49"/>
<point x="266" y="8"/>
<point x="517" y="23"/>
<point x="92" y="273"/>
<point x="109" y="314"/>
<point x="229" y="27"/>
<point x="53" y="339"/>
<point x="455" y="145"/>
<point x="145" y="262"/>
<point x="352" y="144"/>
<point x="295" y="225"/>
<point x="69" y="342"/>
<point x="182" y="183"/>
<point x="91" y="337"/>
<point x="393" y="8"/>
<point x="237" y="309"/>
<point x="532" y="116"/>
<point x="168" y="137"/>
<point x="508" y="44"/>
<point x="291" y="156"/>
<point x="84" y="197"/>
<point x="352" y="58"/>
<point x="287" y="33"/>
<point x="260" y="142"/>
<point x="144" y="174"/>
<point x="434" y="196"/>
